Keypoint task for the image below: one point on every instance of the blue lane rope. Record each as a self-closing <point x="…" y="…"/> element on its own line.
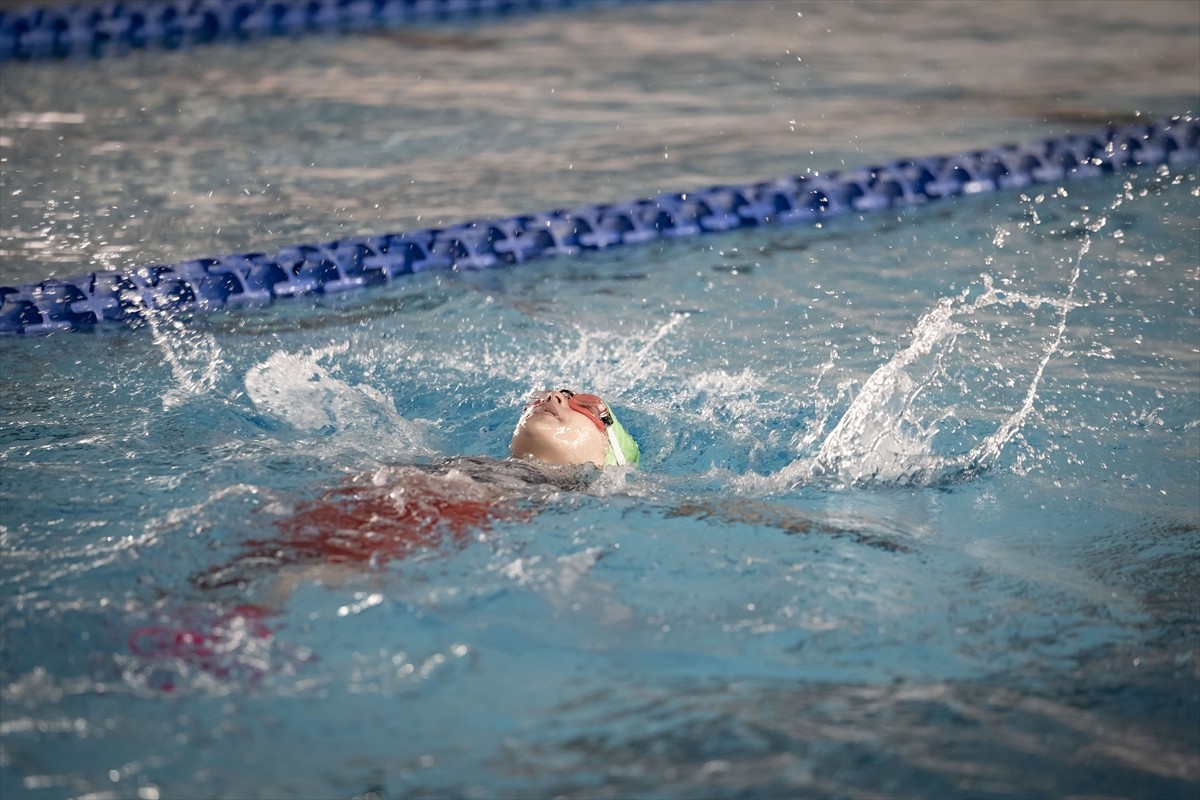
<point x="65" y="30"/>
<point x="256" y="279"/>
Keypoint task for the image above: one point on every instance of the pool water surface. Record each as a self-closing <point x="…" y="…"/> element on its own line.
<point x="917" y="513"/>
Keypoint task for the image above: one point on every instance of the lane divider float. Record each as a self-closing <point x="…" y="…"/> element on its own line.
<point x="94" y="30"/>
<point x="261" y="278"/>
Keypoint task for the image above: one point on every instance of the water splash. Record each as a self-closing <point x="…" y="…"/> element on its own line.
<point x="614" y="360"/>
<point x="888" y="434"/>
<point x="985" y="455"/>
<point x="196" y="361"/>
<point x="299" y="389"/>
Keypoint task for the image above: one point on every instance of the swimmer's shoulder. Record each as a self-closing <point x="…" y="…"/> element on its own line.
<point x="514" y="473"/>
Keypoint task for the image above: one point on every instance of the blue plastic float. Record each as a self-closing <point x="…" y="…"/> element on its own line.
<point x="256" y="279"/>
<point x="89" y="30"/>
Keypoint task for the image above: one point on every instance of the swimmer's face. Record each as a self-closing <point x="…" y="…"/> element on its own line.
<point x="552" y="432"/>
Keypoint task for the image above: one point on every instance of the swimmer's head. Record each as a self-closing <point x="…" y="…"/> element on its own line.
<point x="565" y="427"/>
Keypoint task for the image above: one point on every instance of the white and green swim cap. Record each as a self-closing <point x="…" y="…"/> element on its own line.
<point x="622" y="449"/>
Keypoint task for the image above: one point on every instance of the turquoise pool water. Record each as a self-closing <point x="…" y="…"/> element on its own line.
<point x="918" y="509"/>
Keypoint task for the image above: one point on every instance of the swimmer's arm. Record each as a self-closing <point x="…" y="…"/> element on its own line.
<point x="771" y="515"/>
<point x="321" y="573"/>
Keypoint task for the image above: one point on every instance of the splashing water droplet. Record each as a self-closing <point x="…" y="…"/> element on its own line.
<point x="887" y="435"/>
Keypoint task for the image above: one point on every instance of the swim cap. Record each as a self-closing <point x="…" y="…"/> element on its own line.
<point x="622" y="449"/>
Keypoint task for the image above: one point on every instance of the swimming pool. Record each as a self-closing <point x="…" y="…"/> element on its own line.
<point x="917" y="514"/>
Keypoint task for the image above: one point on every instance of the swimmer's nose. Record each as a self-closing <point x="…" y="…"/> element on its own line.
<point x="545" y="397"/>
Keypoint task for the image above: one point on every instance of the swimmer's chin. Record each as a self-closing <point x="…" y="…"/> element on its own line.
<point x="556" y="445"/>
<point x="552" y="452"/>
<point x="551" y="459"/>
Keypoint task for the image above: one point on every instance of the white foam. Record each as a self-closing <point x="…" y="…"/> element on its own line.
<point x="301" y="391"/>
<point x="887" y="434"/>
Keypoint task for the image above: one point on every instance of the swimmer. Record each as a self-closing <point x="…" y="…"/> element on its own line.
<point x="561" y="441"/>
